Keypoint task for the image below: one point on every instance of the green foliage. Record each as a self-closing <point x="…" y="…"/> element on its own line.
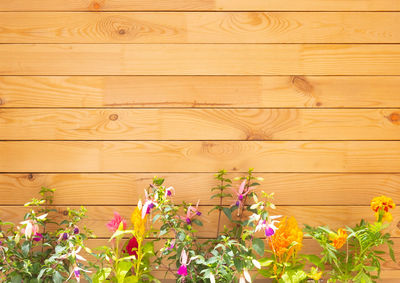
<point x="33" y="253"/>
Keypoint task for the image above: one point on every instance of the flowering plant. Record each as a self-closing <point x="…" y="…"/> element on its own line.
<point x="353" y="253"/>
<point x="31" y="252"/>
<point x="126" y="261"/>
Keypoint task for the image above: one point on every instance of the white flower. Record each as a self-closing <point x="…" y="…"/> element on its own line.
<point x="256" y="263"/>
<point x="212" y="278"/>
<point x="247" y="275"/>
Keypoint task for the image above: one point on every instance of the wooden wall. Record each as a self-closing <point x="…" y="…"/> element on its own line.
<point x="96" y="97"/>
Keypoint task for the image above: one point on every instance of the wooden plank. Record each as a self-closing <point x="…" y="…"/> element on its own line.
<point x="289" y="188"/>
<point x="199" y="59"/>
<point x="199" y="5"/>
<point x="333" y="216"/>
<point x="200" y="27"/>
<point x="199" y="91"/>
<point x="99" y="216"/>
<point x="200" y="124"/>
<point x="198" y="156"/>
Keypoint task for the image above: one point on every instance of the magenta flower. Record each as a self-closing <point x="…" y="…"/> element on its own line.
<point x="115" y="222"/>
<point x="169" y="191"/>
<point x="241" y="192"/>
<point x="268" y="225"/>
<point x="184" y="263"/>
<point x="191" y="213"/>
<point x="37" y="237"/>
<point x="148" y="205"/>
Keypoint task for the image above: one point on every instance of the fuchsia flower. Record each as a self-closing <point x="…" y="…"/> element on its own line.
<point x="37" y="237"/>
<point x="268" y="225"/>
<point x="241" y="193"/>
<point x="184" y="263"/>
<point x="169" y="191"/>
<point x="115" y="222"/>
<point x="191" y="213"/>
<point x="31" y="228"/>
<point x="149" y="204"/>
<point x="132" y="247"/>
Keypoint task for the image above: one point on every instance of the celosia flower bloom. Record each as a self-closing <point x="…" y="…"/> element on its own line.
<point x="132" y="247"/>
<point x="381" y="205"/>
<point x="282" y="242"/>
<point x="115" y="222"/>
<point x="339" y="239"/>
<point x="139" y="223"/>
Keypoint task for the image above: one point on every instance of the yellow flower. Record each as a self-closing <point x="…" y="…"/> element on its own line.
<point x="339" y="239"/>
<point x="287" y="240"/>
<point x="139" y="223"/>
<point x="381" y="205"/>
<point x="314" y="274"/>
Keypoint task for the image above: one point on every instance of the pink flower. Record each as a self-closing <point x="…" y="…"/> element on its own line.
<point x="191" y="213"/>
<point x="31" y="228"/>
<point x="148" y="205"/>
<point x="184" y="263"/>
<point x="268" y="225"/>
<point x="115" y="222"/>
<point x="169" y="191"/>
<point x="132" y="246"/>
<point x="241" y="193"/>
<point x="37" y="237"/>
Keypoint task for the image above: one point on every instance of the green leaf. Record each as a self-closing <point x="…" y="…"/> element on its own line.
<point x="16" y="278"/>
<point x="197" y="222"/>
<point x="227" y="212"/>
<point x="123" y="268"/>
<point x="258" y="246"/>
<point x="25" y="248"/>
<point x="57" y="277"/>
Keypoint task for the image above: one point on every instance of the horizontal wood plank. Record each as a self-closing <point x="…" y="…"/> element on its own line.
<point x="199" y="59"/>
<point x="200" y="27"/>
<point x="199" y="91"/>
<point x="199" y="5"/>
<point x="333" y="216"/>
<point x="198" y="156"/>
<point x="200" y="124"/>
<point x="125" y="189"/>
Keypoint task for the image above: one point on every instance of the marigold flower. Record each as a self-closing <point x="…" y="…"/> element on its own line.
<point x="339" y="239"/>
<point x="381" y="205"/>
<point x="287" y="240"/>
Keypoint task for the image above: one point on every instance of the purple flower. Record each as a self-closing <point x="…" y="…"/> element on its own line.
<point x="188" y="221"/>
<point x="65" y="236"/>
<point x="37" y="237"/>
<point x="198" y="213"/>
<point x="77" y="272"/>
<point x="237" y="203"/>
<point x="76" y="230"/>
<point x="269" y="232"/>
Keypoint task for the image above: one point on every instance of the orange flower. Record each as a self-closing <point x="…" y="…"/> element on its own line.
<point x="287" y="240"/>
<point x="381" y="205"/>
<point x="339" y="239"/>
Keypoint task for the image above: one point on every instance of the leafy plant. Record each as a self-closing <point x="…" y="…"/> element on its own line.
<point x="126" y="261"/>
<point x="34" y="253"/>
<point x="353" y="253"/>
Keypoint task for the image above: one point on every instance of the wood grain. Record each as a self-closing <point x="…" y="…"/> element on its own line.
<point x="197" y="156"/>
<point x="200" y="124"/>
<point x="125" y="189"/>
<point x="199" y="5"/>
<point x="199" y="91"/>
<point x="200" y="27"/>
<point x="333" y="216"/>
<point x="199" y="59"/>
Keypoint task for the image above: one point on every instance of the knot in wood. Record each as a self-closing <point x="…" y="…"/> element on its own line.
<point x="113" y="117"/>
<point x="394" y="117"/>
<point x="31" y="177"/>
<point x="121" y="31"/>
